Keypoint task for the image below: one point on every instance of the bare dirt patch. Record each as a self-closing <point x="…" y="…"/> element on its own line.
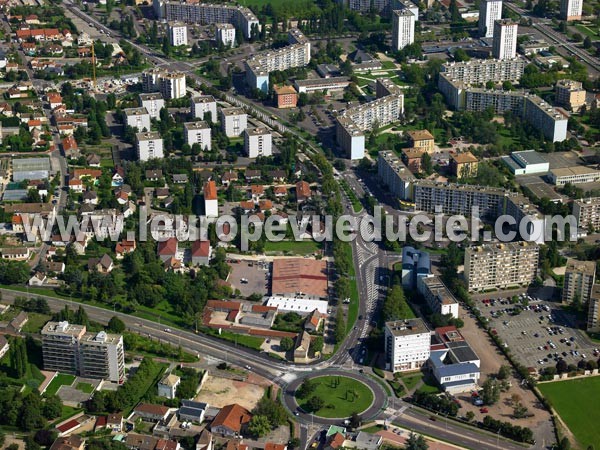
<point x="220" y="392"/>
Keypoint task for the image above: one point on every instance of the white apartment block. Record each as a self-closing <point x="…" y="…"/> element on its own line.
<point x="177" y="33"/>
<point x="587" y="213"/>
<point x="70" y="349"/>
<point x="483" y="70"/>
<point x="395" y="175"/>
<point x="504" y="45"/>
<point x="197" y="133"/>
<point x="438" y="297"/>
<point x="593" y="319"/>
<point x="367" y="5"/>
<point x="406" y="4"/>
<point x="546" y="118"/>
<point x="233" y="121"/>
<point x="571" y="9"/>
<point x="297" y="54"/>
<point x="570" y="94"/>
<point x="172" y="85"/>
<point x="258" y="142"/>
<point x="403" y="28"/>
<point x="499" y="266"/>
<point x="208" y="13"/>
<point x="225" y="34"/>
<point x="407" y="344"/>
<point x="489" y="12"/>
<point x="580" y="277"/>
<point x="353" y="122"/>
<point x="137" y="118"/>
<point x="149" y="145"/>
<point x="153" y="102"/>
<point x="203" y="104"/>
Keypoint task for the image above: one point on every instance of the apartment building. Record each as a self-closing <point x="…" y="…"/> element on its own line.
<point x="593" y="319"/>
<point x="367" y="5"/>
<point x="198" y="133"/>
<point x="587" y="213"/>
<point x="296" y="54"/>
<point x="499" y="266"/>
<point x="571" y="9"/>
<point x="207" y="13"/>
<point x="416" y="264"/>
<point x="570" y="94"/>
<point x="258" y="142"/>
<point x="580" y="277"/>
<point x="385" y="87"/>
<point x="395" y="175"/>
<point x="153" y="102"/>
<point x="437" y="296"/>
<point x="149" y="145"/>
<point x="413" y="157"/>
<point x="68" y="348"/>
<point x="137" y="118"/>
<point x="574" y="175"/>
<point x="489" y="12"/>
<point x="407" y="344"/>
<point x="150" y="79"/>
<point x="177" y="33"/>
<point x="545" y="118"/>
<point x="225" y="34"/>
<point x="406" y="4"/>
<point x="287" y="97"/>
<point x="421" y="139"/>
<point x="172" y="85"/>
<point x="481" y="71"/>
<point x="353" y="122"/>
<point x="403" y="28"/>
<point x="504" y="45"/>
<point x="233" y="121"/>
<point x="463" y="165"/>
<point x="202" y="104"/>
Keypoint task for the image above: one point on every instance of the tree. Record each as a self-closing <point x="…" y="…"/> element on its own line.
<point x="503" y="372"/>
<point x="564" y="444"/>
<point x="294" y="442"/>
<point x="355" y="420"/>
<point x="426" y="163"/>
<point x="470" y="415"/>
<point x="116" y="325"/>
<point x="52" y="407"/>
<point x="315" y="403"/>
<point x="561" y="366"/>
<point x="587" y="42"/>
<point x="259" y="426"/>
<point x="286" y="344"/>
<point x="272" y="409"/>
<point x="306" y="388"/>
<point x="317" y="344"/>
<point x="490" y="391"/>
<point x="416" y="442"/>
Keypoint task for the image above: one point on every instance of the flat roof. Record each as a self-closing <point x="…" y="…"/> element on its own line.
<point x="294" y="275"/>
<point x="300" y="305"/>
<point x="407" y="327"/>
<point x="527" y="157"/>
<point x="575" y="170"/>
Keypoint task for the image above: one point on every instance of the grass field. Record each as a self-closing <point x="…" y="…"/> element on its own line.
<point x="411" y="380"/>
<point x="588" y="31"/>
<point x="62" y="379"/>
<point x="343" y="396"/>
<point x="85" y="387"/>
<point x="575" y="401"/>
<point x="293" y="247"/>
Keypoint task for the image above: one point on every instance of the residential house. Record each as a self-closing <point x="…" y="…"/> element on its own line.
<point x="278" y="176"/>
<point x="265" y="205"/>
<point x="124" y="247"/>
<point x="90" y="197"/>
<point x="303" y="191"/>
<point x="273" y="446"/>
<point x="140" y="441"/>
<point x="19" y="321"/>
<point x="151" y="413"/>
<point x="167" y="387"/>
<point x="72" y="442"/>
<point x="38" y="279"/>
<point x="205" y="441"/>
<point x="114" y="422"/>
<point x="93" y="160"/>
<point x="302" y="347"/>
<point x="229" y="177"/>
<point x="118" y="177"/>
<point x="192" y="411"/>
<point x="231" y="420"/>
<point x="257" y="191"/>
<point x="313" y="321"/>
<point x="180" y="178"/>
<point x="16" y="253"/>
<point x="102" y="265"/>
<point x="168" y="249"/>
<point x="201" y="253"/>
<point x="280" y="191"/>
<point x="252" y="175"/>
<point x="154" y="174"/>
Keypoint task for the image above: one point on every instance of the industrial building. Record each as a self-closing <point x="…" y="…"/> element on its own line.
<point x="526" y="162"/>
<point x="31" y="169"/>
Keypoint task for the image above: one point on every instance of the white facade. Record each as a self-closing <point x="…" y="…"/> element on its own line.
<point x="149" y="146"/>
<point x="225" y="34"/>
<point x="571" y="9"/>
<point x="489" y="12"/>
<point x="395" y="175"/>
<point x="302" y="306"/>
<point x="197" y="133"/>
<point x="167" y="387"/>
<point x="177" y="32"/>
<point x="403" y="28"/>
<point x="102" y="355"/>
<point x="203" y="104"/>
<point x="526" y="162"/>
<point x="172" y="85"/>
<point x="137" y="118"/>
<point x="257" y="142"/>
<point x="407" y="344"/>
<point x="233" y="121"/>
<point x="153" y="102"/>
<point x="505" y="39"/>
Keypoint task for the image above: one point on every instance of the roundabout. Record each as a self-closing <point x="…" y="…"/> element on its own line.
<point x="333" y="396"/>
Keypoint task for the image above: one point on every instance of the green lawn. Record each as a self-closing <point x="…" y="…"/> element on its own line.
<point x="411" y="380"/>
<point x="588" y="31"/>
<point x="62" y="379"/>
<point x="575" y="401"/>
<point x="35" y="322"/>
<point x="85" y="387"/>
<point x="343" y="396"/>
<point x="389" y="65"/>
<point x="294" y="247"/>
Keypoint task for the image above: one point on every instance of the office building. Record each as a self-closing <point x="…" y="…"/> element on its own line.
<point x="153" y="102"/>
<point x="70" y="349"/>
<point x="571" y="9"/>
<point x="208" y="13"/>
<point x="500" y="266"/>
<point x="407" y="344"/>
<point x="177" y="33"/>
<point x="463" y="165"/>
<point x="137" y="118"/>
<point x="489" y="12"/>
<point x="257" y="142"/>
<point x="211" y="202"/>
<point x="421" y="139"/>
<point x="574" y="175"/>
<point x="403" y="29"/>
<point x="149" y="145"/>
<point x="197" y="133"/>
<point x="580" y="277"/>
<point x="437" y="296"/>
<point x="296" y="54"/>
<point x="203" y="104"/>
<point x="225" y="34"/>
<point x="395" y="175"/>
<point x="287" y="97"/>
<point x="172" y="85"/>
<point x="593" y="319"/>
<point x="570" y="94"/>
<point x="526" y="162"/>
<point x="504" y="45"/>
<point x="233" y="121"/>
<point x="415" y="264"/>
<point x="587" y="213"/>
<point x="31" y="169"/>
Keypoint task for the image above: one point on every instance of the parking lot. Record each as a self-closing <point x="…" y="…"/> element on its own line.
<point x="250" y="277"/>
<point x="539" y="333"/>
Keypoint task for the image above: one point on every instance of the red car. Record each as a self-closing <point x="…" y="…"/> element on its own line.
<point x="483" y="410"/>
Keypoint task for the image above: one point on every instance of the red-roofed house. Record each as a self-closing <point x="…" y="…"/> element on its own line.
<point x="150" y="412"/>
<point x="303" y="192"/>
<point x="124" y="247"/>
<point x="70" y="147"/>
<point x="211" y="204"/>
<point x="231" y="420"/>
<point x="54" y="99"/>
<point x="68" y="427"/>
<point x="201" y="253"/>
<point x="168" y="249"/>
<point x="335" y="441"/>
